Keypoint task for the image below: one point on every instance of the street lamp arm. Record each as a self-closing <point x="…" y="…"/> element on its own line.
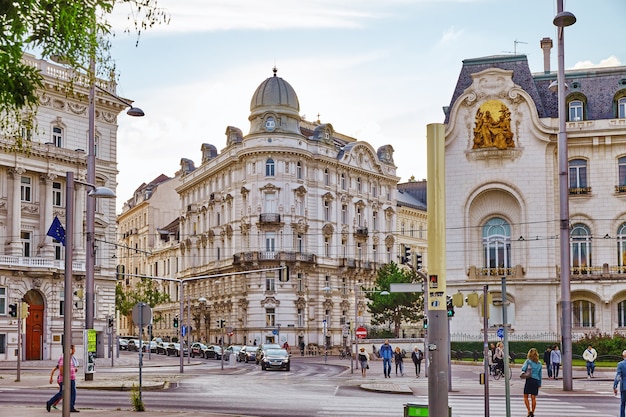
<point x="132" y="111"/>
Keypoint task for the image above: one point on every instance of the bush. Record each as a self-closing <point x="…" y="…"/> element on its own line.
<point x="136" y="400"/>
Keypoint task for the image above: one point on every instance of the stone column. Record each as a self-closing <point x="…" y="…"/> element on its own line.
<point x="15" y="243"/>
<point x="46" y="215"/>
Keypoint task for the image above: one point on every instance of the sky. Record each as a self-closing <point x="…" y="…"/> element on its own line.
<point x="378" y="71"/>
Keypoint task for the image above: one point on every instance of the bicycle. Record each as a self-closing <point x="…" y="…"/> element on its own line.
<point x="498" y="372"/>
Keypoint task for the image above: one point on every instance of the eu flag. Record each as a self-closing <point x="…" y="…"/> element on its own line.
<point x="57" y="231"/>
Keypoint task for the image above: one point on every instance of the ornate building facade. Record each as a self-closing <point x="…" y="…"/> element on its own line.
<point x="503" y="196"/>
<point x="278" y="229"/>
<point x="32" y="193"/>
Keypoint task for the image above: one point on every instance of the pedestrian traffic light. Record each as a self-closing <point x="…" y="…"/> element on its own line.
<point x="418" y="261"/>
<point x="110" y="321"/>
<point x="176" y="322"/>
<point x="450" y="307"/>
<point x="425" y="322"/>
<point x="220" y="323"/>
<point x="406" y="257"/>
<point x="13" y="310"/>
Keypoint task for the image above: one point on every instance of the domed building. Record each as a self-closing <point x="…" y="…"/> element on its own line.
<point x="277" y="230"/>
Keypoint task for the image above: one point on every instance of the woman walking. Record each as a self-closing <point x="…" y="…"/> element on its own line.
<point x="397" y="358"/>
<point x="364" y="359"/>
<point x="531" y="387"/>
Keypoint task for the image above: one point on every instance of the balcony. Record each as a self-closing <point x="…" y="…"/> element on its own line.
<point x="39" y="263"/>
<point x="269" y="218"/>
<point x="620" y="189"/>
<point x="604" y="272"/>
<point x="475" y="272"/>
<point x="265" y="256"/>
<point x="361" y="232"/>
<point x="580" y="191"/>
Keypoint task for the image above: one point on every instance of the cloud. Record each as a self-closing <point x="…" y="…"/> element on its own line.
<point x="450" y="35"/>
<point x="611" y="61"/>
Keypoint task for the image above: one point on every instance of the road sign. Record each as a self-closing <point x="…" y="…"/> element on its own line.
<point x="142" y="314"/>
<point x="183" y="330"/>
<point x="500" y="332"/>
<point x="361" y="332"/>
<point x="274" y="331"/>
<point x="230" y="334"/>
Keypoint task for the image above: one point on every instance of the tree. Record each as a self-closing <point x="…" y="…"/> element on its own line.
<point x="145" y="291"/>
<point x="395" y="308"/>
<point x="75" y="31"/>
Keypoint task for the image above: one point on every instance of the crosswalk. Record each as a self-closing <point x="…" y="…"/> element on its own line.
<point x="468" y="406"/>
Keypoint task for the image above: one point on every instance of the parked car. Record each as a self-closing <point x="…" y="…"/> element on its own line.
<point x="275" y="359"/>
<point x="231" y="350"/>
<point x="247" y="354"/>
<point x="260" y="351"/>
<point x="173" y="349"/>
<point x="123" y="344"/>
<point x="213" y="352"/>
<point x="133" y="345"/>
<point x="197" y="349"/>
<point x="152" y="345"/>
<point x="161" y="348"/>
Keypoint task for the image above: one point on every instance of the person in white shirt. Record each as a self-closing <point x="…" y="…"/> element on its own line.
<point x="590" y="355"/>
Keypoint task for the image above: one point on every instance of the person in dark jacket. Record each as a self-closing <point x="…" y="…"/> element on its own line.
<point x="417" y="357"/>
<point x="546" y="360"/>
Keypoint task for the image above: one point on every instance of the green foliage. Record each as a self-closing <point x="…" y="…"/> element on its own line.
<point x="74" y="31"/>
<point x="395" y="308"/>
<point x="136" y="400"/>
<point x="145" y="291"/>
<point x="604" y="344"/>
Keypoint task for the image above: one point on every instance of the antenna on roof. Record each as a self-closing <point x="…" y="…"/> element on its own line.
<point x="515" y="42"/>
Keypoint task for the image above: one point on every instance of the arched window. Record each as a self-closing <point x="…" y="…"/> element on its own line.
<point x="621" y="314"/>
<point x="581" y="249"/>
<point x="57" y="136"/>
<point x="578" y="177"/>
<point x="575" y="110"/>
<point x="269" y="168"/>
<point x="299" y="170"/>
<point x="497" y="246"/>
<point x="583" y="313"/>
<point x="621" y="175"/>
<point x="326" y="177"/>
<point x="621" y="108"/>
<point x="343" y="181"/>
<point x="621" y="247"/>
<point x="358" y="184"/>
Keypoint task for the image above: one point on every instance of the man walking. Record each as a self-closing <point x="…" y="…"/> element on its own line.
<point x="386" y="352"/>
<point x="590" y="355"/>
<point x="620" y="376"/>
<point x="59" y="395"/>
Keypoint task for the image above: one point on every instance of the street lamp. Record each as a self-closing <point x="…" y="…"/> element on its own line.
<point x="96" y="192"/>
<point x="562" y="20"/>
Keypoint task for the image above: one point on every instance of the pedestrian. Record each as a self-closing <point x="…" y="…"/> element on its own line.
<point x="590" y="355"/>
<point x="417" y="357"/>
<point x="620" y="376"/>
<point x="531" y="387"/>
<point x="386" y="352"/>
<point x="56" y="368"/>
<point x="364" y="359"/>
<point x="555" y="361"/>
<point x="59" y="395"/>
<point x="302" y="348"/>
<point x="286" y="346"/>
<point x="398" y="359"/>
<point x="546" y="360"/>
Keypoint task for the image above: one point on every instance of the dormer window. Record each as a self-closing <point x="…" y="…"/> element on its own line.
<point x="270" y="124"/>
<point x="575" y="110"/>
<point x="57" y="136"/>
<point x="621" y="108"/>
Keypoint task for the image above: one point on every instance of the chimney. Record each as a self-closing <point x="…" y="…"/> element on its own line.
<point x="546" y="45"/>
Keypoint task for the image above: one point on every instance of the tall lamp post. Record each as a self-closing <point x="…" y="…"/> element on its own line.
<point x="96" y="192"/>
<point x="562" y="20"/>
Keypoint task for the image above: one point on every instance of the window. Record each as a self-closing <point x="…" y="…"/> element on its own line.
<point x="3" y="301"/>
<point x="299" y="243"/>
<point x="270" y="317"/>
<point x="343" y="181"/>
<point x="269" y="168"/>
<point x="374" y="252"/>
<point x="359" y="217"/>
<point x="344" y="214"/>
<point x="326" y="177"/>
<point x="269" y="200"/>
<point x="374" y="190"/>
<point x="270" y="242"/>
<point x="621" y="247"/>
<point x="621" y="108"/>
<point x="300" y="283"/>
<point x="402" y="232"/>
<point x="270" y="124"/>
<point x="359" y="251"/>
<point x="621" y="314"/>
<point x="300" y="317"/>
<point x="358" y="184"/>
<point x="575" y="110"/>
<point x="326" y="246"/>
<point x="578" y="177"/>
<point x="374" y="220"/>
<point x="583" y="314"/>
<point x="327" y="320"/>
<point x="497" y="246"/>
<point x="57" y="250"/>
<point x="327" y="211"/>
<point x="61" y="303"/>
<point x="299" y="170"/>
<point x="621" y="172"/>
<point x="581" y="249"/>
<point x="344" y="248"/>
<point x="26" y="189"/>
<point x="26" y="244"/>
<point x="57" y="136"/>
<point x="270" y="282"/>
<point x="57" y="194"/>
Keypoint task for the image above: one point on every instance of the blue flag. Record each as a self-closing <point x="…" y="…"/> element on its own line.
<point x="57" y="231"/>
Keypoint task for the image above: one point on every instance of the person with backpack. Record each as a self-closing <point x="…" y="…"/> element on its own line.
<point x="386" y="352"/>
<point x="417" y="356"/>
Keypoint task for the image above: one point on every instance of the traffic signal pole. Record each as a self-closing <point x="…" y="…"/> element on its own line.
<point x="438" y="345"/>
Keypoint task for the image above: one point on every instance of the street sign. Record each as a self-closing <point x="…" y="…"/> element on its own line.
<point x="500" y="332"/>
<point x="274" y="331"/>
<point x="230" y="334"/>
<point x="183" y="331"/>
<point x="361" y="332"/>
<point x="142" y="314"/>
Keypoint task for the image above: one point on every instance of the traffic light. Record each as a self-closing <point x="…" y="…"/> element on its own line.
<point x="119" y="272"/>
<point x="110" y="321"/>
<point x="418" y="261"/>
<point x="450" y="307"/>
<point x="406" y="257"/>
<point x="425" y="323"/>
<point x="283" y="274"/>
<point x="176" y="321"/>
<point x="13" y="310"/>
<point x="472" y="299"/>
<point x="220" y="323"/>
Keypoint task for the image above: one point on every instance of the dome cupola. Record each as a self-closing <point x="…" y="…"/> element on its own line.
<point x="274" y="107"/>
